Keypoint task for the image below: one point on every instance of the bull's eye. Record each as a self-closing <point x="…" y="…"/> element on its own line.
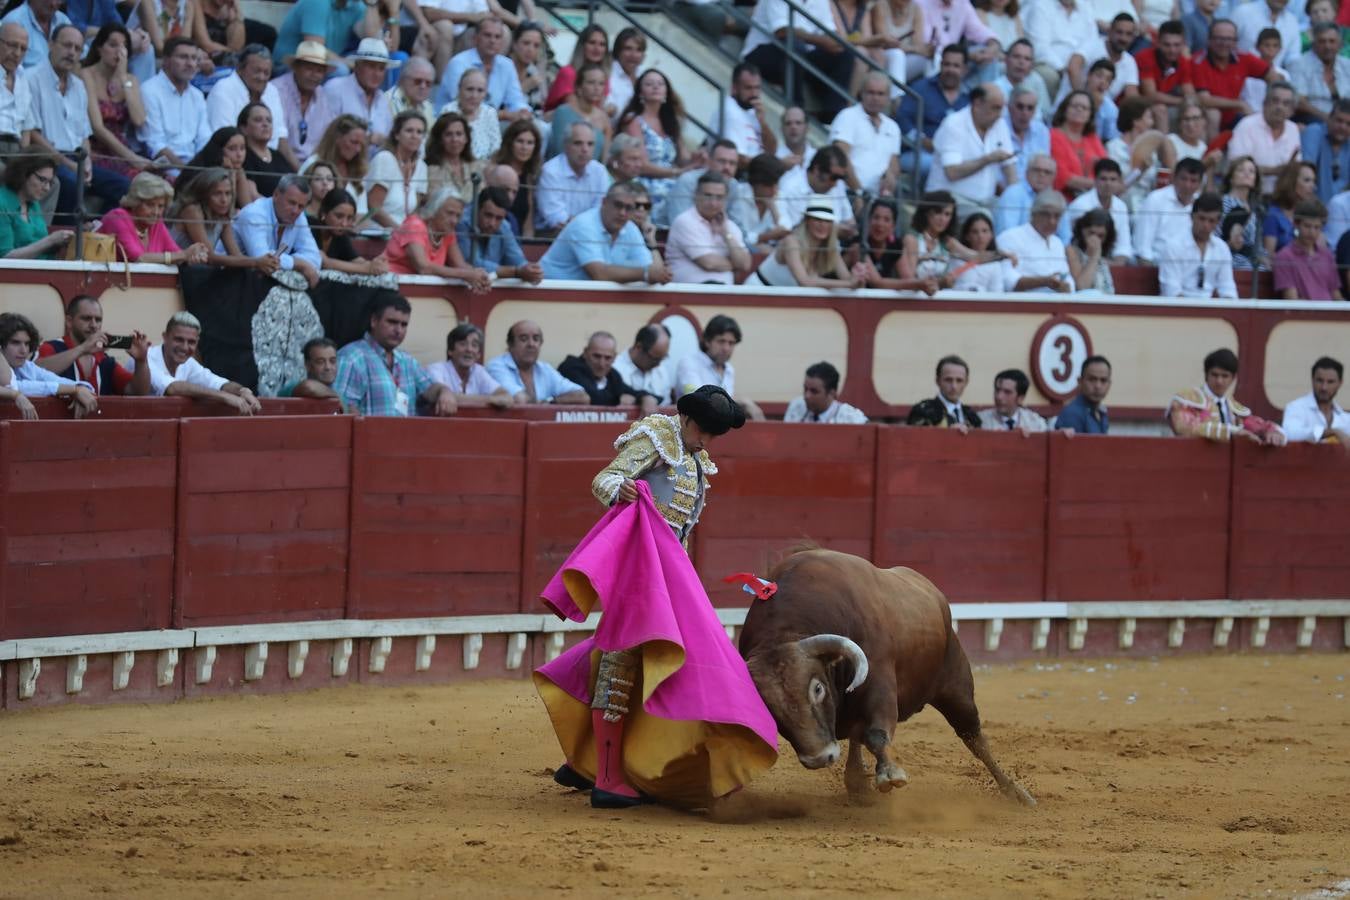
<point x="817" y="690"/>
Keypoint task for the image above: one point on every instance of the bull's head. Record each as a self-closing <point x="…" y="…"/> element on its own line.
<point x="796" y="681"/>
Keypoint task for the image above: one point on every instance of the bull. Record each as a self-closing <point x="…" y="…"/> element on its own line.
<point x="845" y="650"/>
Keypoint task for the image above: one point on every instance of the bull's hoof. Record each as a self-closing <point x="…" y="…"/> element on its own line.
<point x="891" y="778"/>
<point x="859" y="787"/>
<point x="1015" y="791"/>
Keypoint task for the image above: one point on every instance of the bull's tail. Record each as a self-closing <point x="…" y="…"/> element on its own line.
<point x="801" y="547"/>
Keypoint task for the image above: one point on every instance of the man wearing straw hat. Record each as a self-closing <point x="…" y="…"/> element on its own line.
<point x="360" y="94"/>
<point x="305" y="107"/>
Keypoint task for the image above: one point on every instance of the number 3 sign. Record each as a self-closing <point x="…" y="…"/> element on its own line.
<point x="1057" y="354"/>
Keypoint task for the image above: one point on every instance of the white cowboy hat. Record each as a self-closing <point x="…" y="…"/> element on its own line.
<point x="821" y="206"/>
<point x="373" y="50"/>
<point x="310" y="52"/>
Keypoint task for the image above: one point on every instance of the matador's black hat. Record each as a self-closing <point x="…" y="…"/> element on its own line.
<point x="712" y="409"/>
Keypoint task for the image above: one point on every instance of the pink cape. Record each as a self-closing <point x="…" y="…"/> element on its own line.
<point x="701" y="729"/>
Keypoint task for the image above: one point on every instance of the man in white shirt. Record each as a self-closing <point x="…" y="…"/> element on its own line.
<point x="1270" y="139"/>
<point x="177" y="125"/>
<point x="1164" y="216"/>
<point x="40" y="19"/>
<point x="794" y="150"/>
<point x="647" y="368"/>
<point x="744" y="120"/>
<point x="704" y="246"/>
<point x="770" y="17"/>
<point x="175" y="372"/>
<point x="1116" y="47"/>
<point x="360" y="93"/>
<point x="723" y="159"/>
<point x="1042" y="264"/>
<point x="1201" y="266"/>
<point x="1107" y="185"/>
<point x="819" y="401"/>
<point x="870" y="138"/>
<point x="712" y="364"/>
<point x="1322" y="75"/>
<point x="824" y="175"/>
<point x="1317" y="416"/>
<point x="1253" y="17"/>
<point x="304" y="106"/>
<point x="571" y="182"/>
<point x="251" y="83"/>
<point x="1008" y="413"/>
<point x="16" y="94"/>
<point x="970" y="149"/>
<point x="1063" y="33"/>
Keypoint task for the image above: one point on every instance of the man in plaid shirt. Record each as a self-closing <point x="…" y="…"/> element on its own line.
<point x="378" y="379"/>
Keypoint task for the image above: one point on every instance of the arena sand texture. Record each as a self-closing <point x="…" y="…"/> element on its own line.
<point x="1201" y="777"/>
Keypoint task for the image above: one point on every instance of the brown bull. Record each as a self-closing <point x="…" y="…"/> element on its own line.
<point x="845" y="650"/>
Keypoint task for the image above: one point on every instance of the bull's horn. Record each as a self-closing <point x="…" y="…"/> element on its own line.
<point x="841" y="646"/>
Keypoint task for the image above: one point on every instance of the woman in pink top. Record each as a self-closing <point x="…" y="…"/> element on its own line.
<point x="138" y="226"/>
<point x="425" y="243"/>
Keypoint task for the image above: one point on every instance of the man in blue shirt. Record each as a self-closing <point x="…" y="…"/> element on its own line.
<point x="603" y="244"/>
<point x="276" y="226"/>
<point x="1085" y="414"/>
<point x="503" y="85"/>
<point x="1327" y="146"/>
<point x="942" y="94"/>
<point x="492" y="245"/>
<point x="526" y="376"/>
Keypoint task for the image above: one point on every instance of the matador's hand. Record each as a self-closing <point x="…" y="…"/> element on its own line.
<point x="627" y="491"/>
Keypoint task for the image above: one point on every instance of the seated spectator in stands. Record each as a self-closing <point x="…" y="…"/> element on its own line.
<point x="704" y="245"/>
<point x="879" y="251"/>
<point x="529" y="56"/>
<point x="571" y="183"/>
<point x="592" y="46"/>
<point x="656" y="117"/>
<point x="346" y="146"/>
<point x="1296" y="184"/>
<point x="930" y="246"/>
<point x="16" y="100"/>
<point x="764" y="174"/>
<point x="177" y="126"/>
<point x="321" y="366"/>
<point x="1322" y="75"/>
<point x="1316" y="416"/>
<point x="19" y="340"/>
<point x="1166" y="77"/>
<point x="1019" y="74"/>
<point x="955" y="22"/>
<point x="175" y="372"/>
<point x="1240" y="195"/>
<point x="1063" y="33"/>
<point x="722" y="161"/>
<point x="1014" y="204"/>
<point x="594" y="371"/>
<point x="485" y="135"/>
<point x="823" y="176"/>
<point x="463" y="372"/>
<point x="971" y="149"/>
<point x="627" y="157"/>
<point x="1009" y="412"/>
<point x="1089" y="253"/>
<point x="745" y="121"/>
<point x="1163" y="219"/>
<point x="397" y="181"/>
<point x="870" y="139"/>
<point x="1269" y="48"/>
<point x="1107" y="184"/>
<point x="203" y="214"/>
<point x="138" y="225"/>
<point x="527" y="377"/>
<point x="40" y="20"/>
<point x="322" y="182"/>
<point x="305" y="107"/>
<point x="1074" y="143"/>
<point x="23" y="228"/>
<point x="425" y="244"/>
<point x="1201" y="266"/>
<point x="251" y="83"/>
<point x="502" y="81"/>
<point x="810" y="256"/>
<point x="332" y="232"/>
<point x="819" y="400"/>
<point x="333" y="23"/>
<point x="769" y="21"/>
<point x="1121" y="34"/>
<point x="1327" y="146"/>
<point x="1270" y="138"/>
<point x="1256" y="17"/>
<point x="942" y="94"/>
<point x="910" y="40"/>
<point x="647" y="368"/>
<point x="1098" y="86"/>
<point x="492" y="245"/>
<point x="115" y="106"/>
<point x="277" y="226"/>
<point x="449" y="157"/>
<point x="1027" y="132"/>
<point x="1305" y="269"/>
<point x="1197" y="22"/>
<point x="1233" y="231"/>
<point x="794" y="150"/>
<point x="226" y="149"/>
<point x="586" y="104"/>
<point x="712" y="364"/>
<point x="1140" y="151"/>
<point x="360" y="94"/>
<point x="603" y="244"/>
<point x="1041" y="262"/>
<point x="516" y="167"/>
<point x="992" y="277"/>
<point x="1220" y="73"/>
<point x="79" y="354"/>
<point x="263" y="165"/>
<point x="946" y="409"/>
<point x="1189" y="139"/>
<point x="376" y="378"/>
<point x="1208" y="412"/>
<point x="25" y="406"/>
<point x="1085" y="413"/>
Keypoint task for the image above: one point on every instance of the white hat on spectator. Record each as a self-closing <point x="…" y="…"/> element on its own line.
<point x="310" y="52"/>
<point x="373" y="50"/>
<point x="821" y="206"/>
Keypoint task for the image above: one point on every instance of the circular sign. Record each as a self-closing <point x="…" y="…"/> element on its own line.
<point x="1057" y="354"/>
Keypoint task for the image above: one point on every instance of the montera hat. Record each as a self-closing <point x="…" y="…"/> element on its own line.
<point x="712" y="409"/>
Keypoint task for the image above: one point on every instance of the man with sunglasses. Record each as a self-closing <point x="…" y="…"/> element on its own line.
<point x="605" y="244"/>
<point x="1201" y="267"/>
<point x="825" y="175"/>
<point x="305" y="109"/>
<point x="413" y="91"/>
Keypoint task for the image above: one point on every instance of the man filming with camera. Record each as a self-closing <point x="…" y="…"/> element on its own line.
<point x="81" y="354"/>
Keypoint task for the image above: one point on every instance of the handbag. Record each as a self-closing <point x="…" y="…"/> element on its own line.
<point x="97" y="248"/>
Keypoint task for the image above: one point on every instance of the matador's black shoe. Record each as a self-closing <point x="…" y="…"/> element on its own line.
<point x="569" y="777"/>
<point x="602" y="799"/>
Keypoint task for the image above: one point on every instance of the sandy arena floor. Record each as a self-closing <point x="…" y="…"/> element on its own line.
<point x="1222" y="777"/>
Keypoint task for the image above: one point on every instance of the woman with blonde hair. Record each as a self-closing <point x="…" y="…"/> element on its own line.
<point x="202" y="215"/>
<point x="138" y="225"/>
<point x="345" y="145"/>
<point x="809" y="256"/>
<point x="425" y="244"/>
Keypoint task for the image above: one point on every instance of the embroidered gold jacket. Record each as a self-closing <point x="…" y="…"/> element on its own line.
<point x="651" y="450"/>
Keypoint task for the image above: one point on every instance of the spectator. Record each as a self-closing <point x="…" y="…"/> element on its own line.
<point x="972" y="147"/>
<point x="993" y="277"/>
<point x="809" y="256"/>
<point x="946" y="409"/>
<point x="1268" y="49"/>
<point x="40" y="20"/>
<point x="115" y="106"/>
<point x="413" y="91"/>
<point x="322" y="182"/>
<point x="1233" y="231"/>
<point x="880" y="252"/>
<point x="1297" y="183"/>
<point x="712" y="364"/>
<point x="266" y="166"/>
<point x="912" y="40"/>
<point x="1197" y="22"/>
<point x="397" y="182"/>
<point x="646" y="367"/>
<point x="221" y="30"/>
<point x="226" y="149"/>
<point x="321" y="367"/>
<point x="592" y="46"/>
<point x="1256" y="16"/>
<point x="740" y="203"/>
<point x="376" y="378"/>
<point x="1317" y="11"/>
<point x="527" y="50"/>
<point x="1010" y="412"/>
<point x="501" y="81"/>
<point x="492" y="244"/>
<point x="425" y="244"/>
<point x="527" y="377"/>
<point x="449" y="157"/>
<point x="61" y="107"/>
<point x="824" y="176"/>
<point x="463" y="373"/>
<point x="931" y="244"/>
<point x="1189" y="138"/>
<point x="1107" y="184"/>
<point x="19" y="339"/>
<point x="1121" y="35"/>
<point x="630" y="47"/>
<point x="955" y="22"/>
<point x="795" y="151"/>
<point x="1208" y="412"/>
<point x="359" y="94"/>
<point x="585" y="104"/>
<point x="1305" y="269"/>
<point x="1098" y="84"/>
<point x="1074" y="143"/>
<point x="277" y="226"/>
<point x="332" y="23"/>
<point x="572" y="183"/>
<point x="768" y="228"/>
<point x="79" y="355"/>
<point x="175" y="372"/>
<point x="1089" y="254"/>
<point x="16" y="93"/>
<point x="23" y="229"/>
<point x="1270" y="138"/>
<point x="655" y="115"/>
<point x="594" y="371"/>
<point x="1220" y="74"/>
<point x="627" y="157"/>
<point x="345" y="144"/>
<point x="1061" y="31"/>
<point x="1163" y="219"/>
<point x="177" y="126"/>
<point x="21" y="403"/>
<point x="602" y="244"/>
<point x="251" y="83"/>
<point x="704" y="246"/>
<point x="203" y="214"/>
<point x="1321" y="76"/>
<point x="1327" y="146"/>
<point x="941" y="94"/>
<point x="1029" y="135"/>
<point x="485" y="133"/>
<point x="1202" y="266"/>
<point x="138" y="225"/>
<point x="819" y="400"/>
<point x="826" y="55"/>
<point x="1139" y="151"/>
<point x="1166" y="76"/>
<point x="870" y="139"/>
<point x="306" y="110"/>
<point x="332" y="232"/>
<point x="1042" y="263"/>
<point x="516" y="167"/>
<point x="1014" y="204"/>
<point x="1316" y="416"/>
<point x="707" y="19"/>
<point x="1086" y="412"/>
<point x="744" y="120"/>
<point x="1019" y="74"/>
